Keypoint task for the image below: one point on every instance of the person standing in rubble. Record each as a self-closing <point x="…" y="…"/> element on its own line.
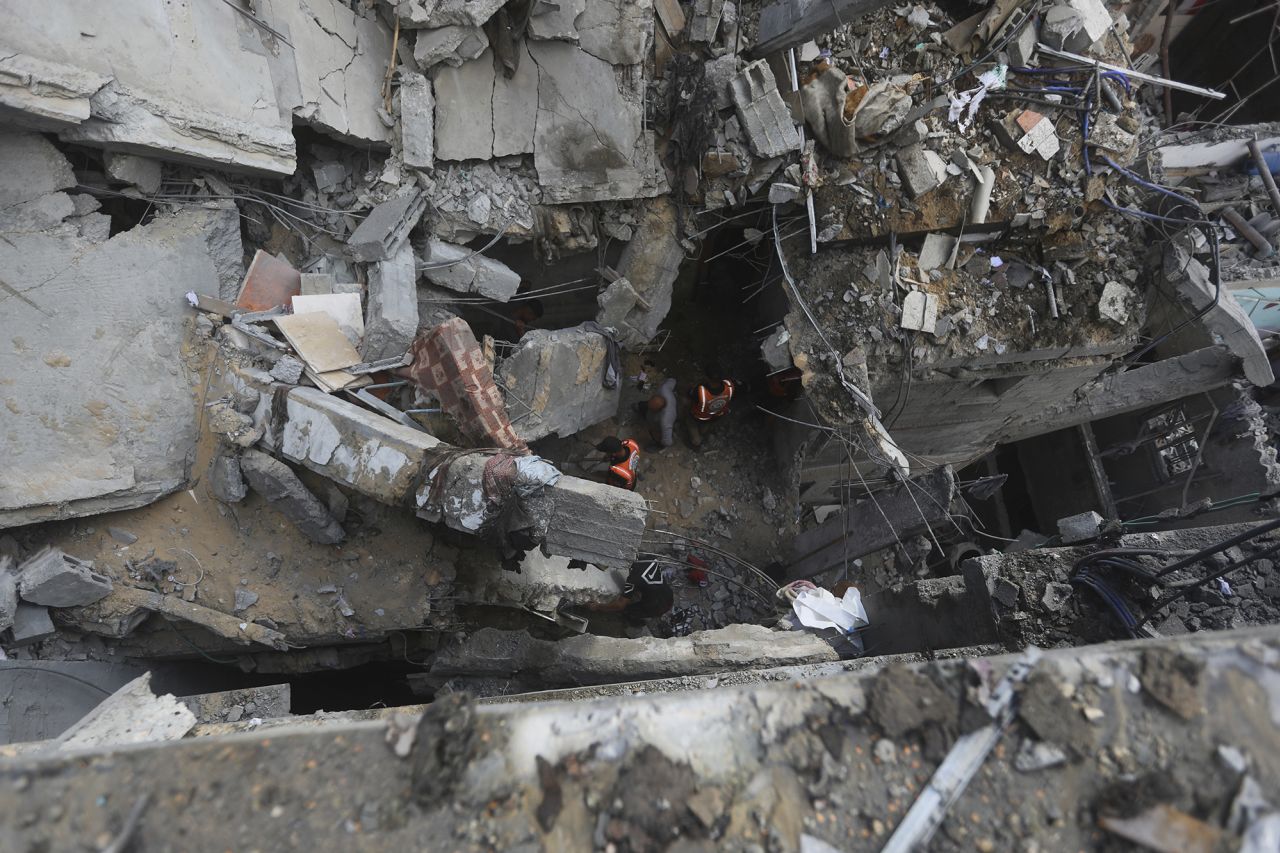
<point x="660" y="412"/>
<point x="623" y="458"/>
<point x="709" y="402"/>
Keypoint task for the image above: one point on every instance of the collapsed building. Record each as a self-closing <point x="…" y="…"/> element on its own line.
<point x="318" y="313"/>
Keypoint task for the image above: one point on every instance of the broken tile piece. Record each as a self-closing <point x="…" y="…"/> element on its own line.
<point x="268" y="283"/>
<point x="318" y="341"/>
<point x="919" y="311"/>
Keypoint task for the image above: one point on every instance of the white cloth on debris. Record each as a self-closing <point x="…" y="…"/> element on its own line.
<point x="818" y="608"/>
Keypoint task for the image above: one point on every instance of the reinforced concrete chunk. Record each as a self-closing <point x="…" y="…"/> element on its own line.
<point x="458" y="268"/>
<point x="921" y="169"/>
<point x="594" y="522"/>
<point x="276" y="482"/>
<point x="391" y="320"/>
<point x="764" y="115"/>
<point x="452" y="45"/>
<point x="133" y="714"/>
<point x="55" y="579"/>
<point x="417" y="122"/>
<point x="31" y="624"/>
<point x="1080" y="528"/>
<point x="650" y="264"/>
<point x="553" y="383"/>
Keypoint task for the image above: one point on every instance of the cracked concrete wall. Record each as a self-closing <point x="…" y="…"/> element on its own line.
<point x="188" y="81"/>
<point x="99" y="406"/>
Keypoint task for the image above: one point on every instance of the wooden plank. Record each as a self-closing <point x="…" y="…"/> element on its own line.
<point x="318" y="341"/>
<point x="672" y="16"/>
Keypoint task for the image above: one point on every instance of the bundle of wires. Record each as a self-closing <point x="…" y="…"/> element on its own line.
<point x="1103" y="571"/>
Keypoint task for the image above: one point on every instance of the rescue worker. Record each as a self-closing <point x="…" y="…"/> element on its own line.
<point x="709" y="402"/>
<point x="660" y="412"/>
<point x="623" y="458"/>
<point x="646" y="594"/>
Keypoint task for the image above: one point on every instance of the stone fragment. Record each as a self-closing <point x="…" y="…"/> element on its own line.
<point x="387" y="227"/>
<point x="287" y="369"/>
<point x="1080" y="528"/>
<point x="276" y="482"/>
<point x="452" y="46"/>
<point x="391" y="317"/>
<point x="1036" y="755"/>
<point x="775" y="350"/>
<point x="55" y="579"/>
<point x="329" y="175"/>
<point x="706" y="20"/>
<point x="31" y="624"/>
<point x="650" y="263"/>
<point x="1055" y="596"/>
<point x="763" y="114"/>
<point x="553" y="383"/>
<point x="244" y="599"/>
<point x="417" y="122"/>
<point x="1059" y="25"/>
<point x="459" y="268"/>
<point x="920" y="169"/>
<point x="1107" y="134"/>
<point x="142" y="172"/>
<point x="225" y="479"/>
<point x="555" y="20"/>
<point x="1114" y="303"/>
<point x="124" y="537"/>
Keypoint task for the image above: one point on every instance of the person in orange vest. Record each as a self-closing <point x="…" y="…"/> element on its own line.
<point x="709" y="402"/>
<point x="623" y="458"/>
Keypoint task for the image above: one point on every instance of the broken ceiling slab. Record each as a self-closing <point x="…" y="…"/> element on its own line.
<point x="590" y="143"/>
<point x="461" y="269"/>
<point x="174" y="82"/>
<point x="387" y="227"/>
<point x="124" y="432"/>
<point x="339" y="59"/>
<point x="553" y="383"/>
<point x="617" y="31"/>
<point x="594" y="659"/>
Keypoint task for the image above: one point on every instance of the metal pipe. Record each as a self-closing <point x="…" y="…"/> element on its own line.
<point x="1265" y="171"/>
<point x="1263" y="248"/>
<point x="1129" y="72"/>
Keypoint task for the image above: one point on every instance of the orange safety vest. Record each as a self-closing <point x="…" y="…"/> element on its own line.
<point x="708" y="406"/>
<point x="626" y="469"/>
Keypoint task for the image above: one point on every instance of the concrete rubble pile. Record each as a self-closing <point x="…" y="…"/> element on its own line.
<point x="359" y="353"/>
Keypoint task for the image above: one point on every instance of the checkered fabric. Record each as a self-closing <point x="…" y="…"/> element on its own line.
<point x="447" y="362"/>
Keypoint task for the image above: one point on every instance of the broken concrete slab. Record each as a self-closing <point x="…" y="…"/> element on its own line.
<point x="381" y="234"/>
<point x="443" y="13"/>
<point x="464" y="109"/>
<point x="592" y="659"/>
<point x="553" y="383"/>
<point x="55" y="579"/>
<point x="594" y="522"/>
<point x="276" y="482"/>
<point x="150" y="79"/>
<point x="515" y="116"/>
<point x="142" y="172"/>
<point x="31" y="624"/>
<point x="417" y="122"/>
<point x="764" y="115"/>
<point x="555" y="20"/>
<point x="332" y="76"/>
<point x="542" y="583"/>
<point x="461" y="269"/>
<point x="392" y="315"/>
<point x="451" y="46"/>
<point x="131" y="715"/>
<point x="936" y="251"/>
<point x="618" y="32"/>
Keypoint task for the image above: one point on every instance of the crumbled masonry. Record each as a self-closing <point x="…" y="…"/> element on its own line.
<point x="628" y="425"/>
